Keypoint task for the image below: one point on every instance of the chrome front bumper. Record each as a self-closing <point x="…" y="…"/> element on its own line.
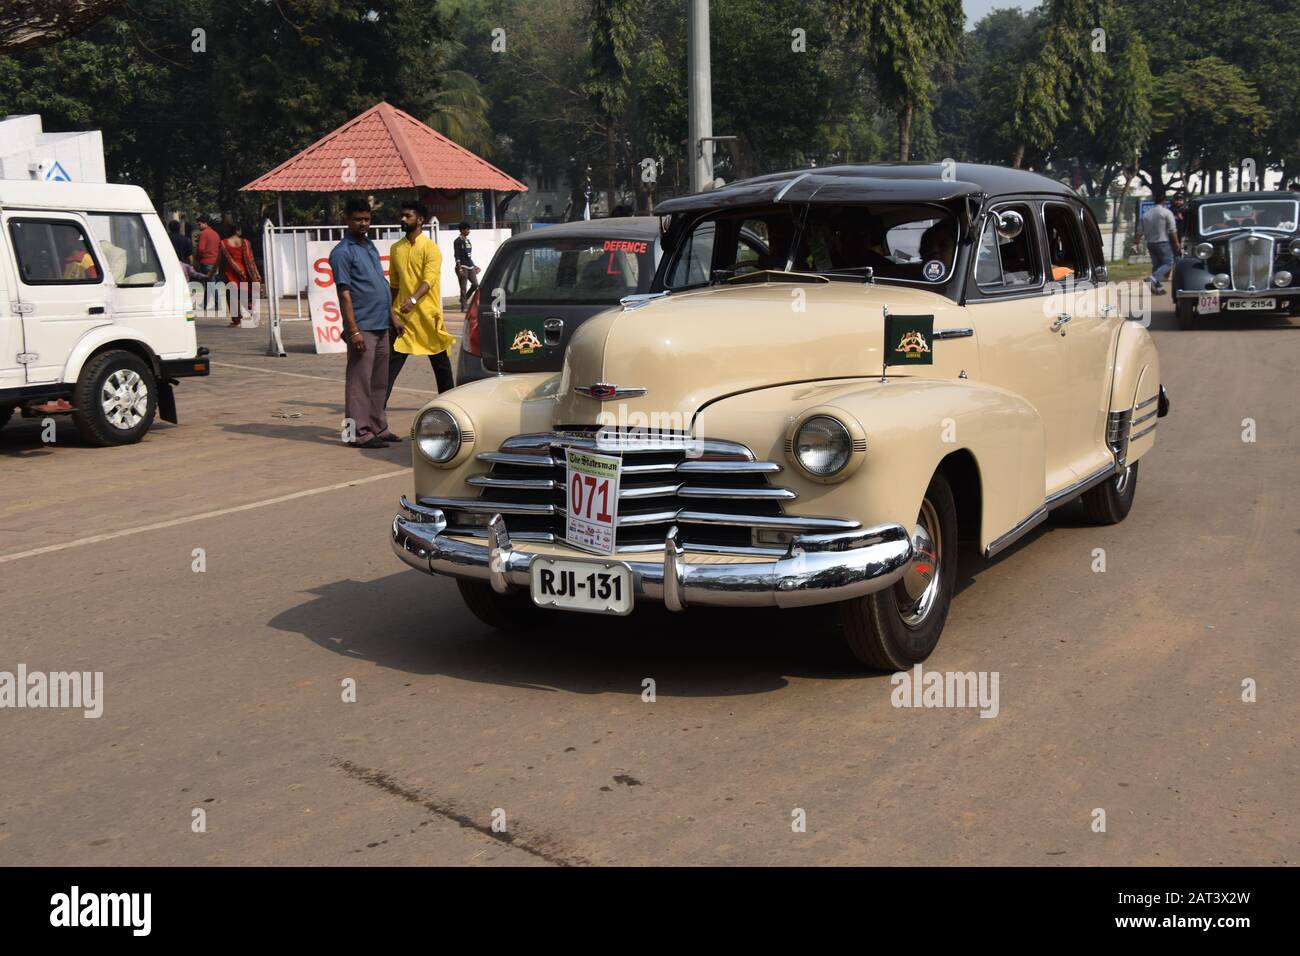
<point x="815" y="569"/>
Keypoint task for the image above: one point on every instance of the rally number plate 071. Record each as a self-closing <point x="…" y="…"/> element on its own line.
<point x="601" y="587"/>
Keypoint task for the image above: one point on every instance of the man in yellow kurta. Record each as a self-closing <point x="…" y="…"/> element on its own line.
<point x="414" y="272"/>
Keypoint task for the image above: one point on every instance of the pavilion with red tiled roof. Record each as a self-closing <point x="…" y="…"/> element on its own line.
<point x="384" y="148"/>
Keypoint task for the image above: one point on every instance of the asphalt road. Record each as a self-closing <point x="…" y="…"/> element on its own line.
<point x="1119" y="691"/>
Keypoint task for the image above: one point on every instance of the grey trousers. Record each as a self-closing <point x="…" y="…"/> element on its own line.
<point x="367" y="386"/>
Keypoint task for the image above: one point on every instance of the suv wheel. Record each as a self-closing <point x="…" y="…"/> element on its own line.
<point x="116" y="399"/>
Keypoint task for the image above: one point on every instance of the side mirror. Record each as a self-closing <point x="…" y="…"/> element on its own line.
<point x="1010" y="225"/>
<point x="1100" y="274"/>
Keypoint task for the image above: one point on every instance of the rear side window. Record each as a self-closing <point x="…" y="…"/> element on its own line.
<point x="128" y="251"/>
<point x="53" y="252"/>
<point x="576" y="271"/>
<point x="1065" y="249"/>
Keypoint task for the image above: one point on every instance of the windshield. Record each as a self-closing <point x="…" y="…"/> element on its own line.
<point x="575" y="271"/>
<point x="1259" y="214"/>
<point x="902" y="243"/>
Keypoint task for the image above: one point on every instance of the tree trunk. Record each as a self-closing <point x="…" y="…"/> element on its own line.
<point x="905" y="133"/>
<point x="1019" y="156"/>
<point x="609" y="164"/>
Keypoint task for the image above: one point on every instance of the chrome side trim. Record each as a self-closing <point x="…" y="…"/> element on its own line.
<point x="483" y="506"/>
<point x="1150" y="428"/>
<point x="1150" y="401"/>
<point x="744" y="494"/>
<point x="698" y="467"/>
<point x="1003" y="542"/>
<point x="1066" y="495"/>
<point x="505" y="458"/>
<point x="1138" y="421"/>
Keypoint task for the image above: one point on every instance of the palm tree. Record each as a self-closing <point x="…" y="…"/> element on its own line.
<point x="460" y="111"/>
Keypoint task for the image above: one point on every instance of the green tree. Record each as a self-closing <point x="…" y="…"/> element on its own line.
<point x="613" y="32"/>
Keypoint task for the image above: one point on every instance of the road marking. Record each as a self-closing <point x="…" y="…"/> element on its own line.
<point x="315" y="378"/>
<point x="173" y="522"/>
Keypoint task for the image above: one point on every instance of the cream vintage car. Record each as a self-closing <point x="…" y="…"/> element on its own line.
<point x="746" y="434"/>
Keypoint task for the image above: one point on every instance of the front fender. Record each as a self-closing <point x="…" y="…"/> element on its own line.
<point x="912" y="425"/>
<point x="493" y="409"/>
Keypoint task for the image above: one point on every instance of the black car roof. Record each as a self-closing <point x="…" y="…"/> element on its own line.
<point x="618" y="227"/>
<point x="898" y="182"/>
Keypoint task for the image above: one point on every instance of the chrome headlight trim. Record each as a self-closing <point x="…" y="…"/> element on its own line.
<point x="1222" y="280"/>
<point x="1282" y="278"/>
<point x="437" y="435"/>
<point x="841" y="441"/>
<point x="1204" y="250"/>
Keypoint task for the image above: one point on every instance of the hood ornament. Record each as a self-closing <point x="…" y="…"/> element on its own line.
<point x="604" y="392"/>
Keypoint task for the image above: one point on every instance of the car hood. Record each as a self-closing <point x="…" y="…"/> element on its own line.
<point x="689" y="349"/>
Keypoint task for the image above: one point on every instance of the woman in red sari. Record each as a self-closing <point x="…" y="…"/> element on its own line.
<point x="240" y="272"/>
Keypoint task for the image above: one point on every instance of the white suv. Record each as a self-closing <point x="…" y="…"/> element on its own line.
<point x="95" y="309"/>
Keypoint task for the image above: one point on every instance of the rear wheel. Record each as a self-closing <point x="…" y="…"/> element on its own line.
<point x="899" y="626"/>
<point x="1109" y="502"/>
<point x="6" y="412"/>
<point x="116" y="399"/>
<point x="512" y="611"/>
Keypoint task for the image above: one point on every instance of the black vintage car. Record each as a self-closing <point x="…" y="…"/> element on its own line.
<point x="1241" y="254"/>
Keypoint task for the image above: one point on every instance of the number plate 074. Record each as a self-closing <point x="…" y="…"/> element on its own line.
<point x="592" y="501"/>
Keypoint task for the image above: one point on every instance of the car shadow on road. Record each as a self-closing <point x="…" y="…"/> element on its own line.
<point x="405" y="622"/>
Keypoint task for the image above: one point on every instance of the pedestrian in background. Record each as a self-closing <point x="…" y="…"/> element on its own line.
<point x="1161" y="233"/>
<point x="240" y="271"/>
<point x="415" y="271"/>
<point x="367" y="308"/>
<point x="180" y="242"/>
<point x="207" y="249"/>
<point x="466" y="271"/>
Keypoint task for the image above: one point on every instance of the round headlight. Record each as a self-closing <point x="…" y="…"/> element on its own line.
<point x="1204" y="250"/>
<point x="1221" y="281"/>
<point x="437" y="435"/>
<point x="822" y="446"/>
<point x="1295" y="247"/>
<point x="1282" y="278"/>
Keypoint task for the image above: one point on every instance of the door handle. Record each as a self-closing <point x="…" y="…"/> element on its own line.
<point x="1059" y="324"/>
<point x="96" y="310"/>
<point x="553" y="330"/>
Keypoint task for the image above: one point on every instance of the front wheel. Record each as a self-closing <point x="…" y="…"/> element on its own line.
<point x="116" y="399"/>
<point x="895" y="628"/>
<point x="6" y="412"/>
<point x="1187" y="316"/>
<point x="1110" y="501"/>
<point x="513" y="611"/>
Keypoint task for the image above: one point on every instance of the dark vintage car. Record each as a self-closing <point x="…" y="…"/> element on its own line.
<point x="1241" y="255"/>
<point x="542" y="285"/>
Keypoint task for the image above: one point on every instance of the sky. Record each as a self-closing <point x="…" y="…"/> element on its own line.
<point x="975" y="9"/>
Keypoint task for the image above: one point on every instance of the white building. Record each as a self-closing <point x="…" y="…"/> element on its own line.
<point x="28" y="152"/>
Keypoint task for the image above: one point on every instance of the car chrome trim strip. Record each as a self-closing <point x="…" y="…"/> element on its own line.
<point x="952" y="333"/>
<point x="1138" y="421"/>
<point x="1150" y="401"/>
<point x="526" y="484"/>
<point x="1150" y="428"/>
<point x="1019" y="531"/>
<point x="750" y="494"/>
<point x="1066" y="495"/>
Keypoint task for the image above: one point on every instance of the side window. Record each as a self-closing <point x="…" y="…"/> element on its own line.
<point x="127" y="249"/>
<point x="694" y="263"/>
<point x="1065" y="251"/>
<point x="752" y="248"/>
<point x="1008" y="257"/>
<point x="1092" y="236"/>
<point x="53" y="252"/>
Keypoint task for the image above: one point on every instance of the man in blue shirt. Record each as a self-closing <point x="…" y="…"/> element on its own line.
<point x="366" y="304"/>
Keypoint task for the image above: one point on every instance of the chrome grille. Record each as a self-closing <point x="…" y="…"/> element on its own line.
<point x="716" y="492"/>
<point x="1250" y="259"/>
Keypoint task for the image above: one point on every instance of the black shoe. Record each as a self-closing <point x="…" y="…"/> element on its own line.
<point x="372" y="443"/>
<point x="390" y="438"/>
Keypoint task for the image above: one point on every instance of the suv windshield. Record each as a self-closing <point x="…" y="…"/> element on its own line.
<point x="575" y="271"/>
<point x="1261" y="214"/>
<point x="901" y="243"/>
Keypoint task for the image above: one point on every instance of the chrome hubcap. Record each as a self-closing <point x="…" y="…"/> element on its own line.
<point x="1121" y="480"/>
<point x="124" y="399"/>
<point x="918" y="589"/>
